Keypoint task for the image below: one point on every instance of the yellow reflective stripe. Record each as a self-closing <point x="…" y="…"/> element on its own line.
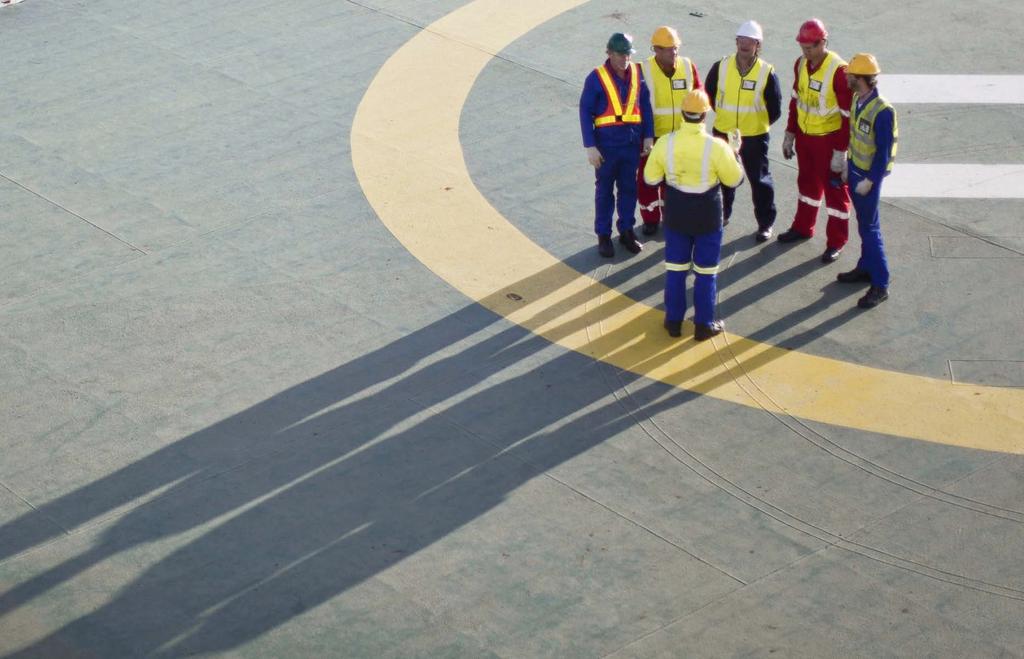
<point x="708" y="270"/>
<point x="677" y="267"/>
<point x="626" y="119"/>
<point x="610" y="90"/>
<point x="634" y="90"/>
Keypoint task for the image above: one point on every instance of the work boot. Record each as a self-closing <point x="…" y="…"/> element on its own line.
<point x="650" y="229"/>
<point x="831" y="254"/>
<point x="629" y="241"/>
<point x="705" y="332"/>
<point x="763" y="235"/>
<point x="854" y="276"/>
<point x="876" y="295"/>
<point x="791" y="236"/>
<point x="605" y="247"/>
<point x="674" y="327"/>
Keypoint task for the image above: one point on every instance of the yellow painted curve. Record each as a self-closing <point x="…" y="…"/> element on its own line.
<point x="408" y="158"/>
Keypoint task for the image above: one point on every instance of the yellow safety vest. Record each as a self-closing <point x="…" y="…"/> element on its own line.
<point x="617" y="113"/>
<point x="691" y="160"/>
<point x="862" y="133"/>
<point x="667" y="93"/>
<point x="817" y="107"/>
<point x="739" y="101"/>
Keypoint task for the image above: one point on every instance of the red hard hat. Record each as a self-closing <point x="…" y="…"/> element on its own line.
<point x="811" y="31"/>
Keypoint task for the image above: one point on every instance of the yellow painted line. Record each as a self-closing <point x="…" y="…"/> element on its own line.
<point x="408" y="158"/>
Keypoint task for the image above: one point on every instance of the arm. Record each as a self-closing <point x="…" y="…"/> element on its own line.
<point x="588" y="103"/>
<point x="845" y="97"/>
<point x="654" y="170"/>
<point x="727" y="165"/>
<point x="883" y="145"/>
<point x="711" y="83"/>
<point x="696" y="76"/>
<point x="773" y="98"/>
<point x="791" y="121"/>
<point x="646" y="111"/>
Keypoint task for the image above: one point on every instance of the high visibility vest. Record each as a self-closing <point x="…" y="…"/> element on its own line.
<point x="667" y="93"/>
<point x="695" y="161"/>
<point x="739" y="102"/>
<point x="862" y="133"/>
<point x="817" y="107"/>
<point x="617" y="112"/>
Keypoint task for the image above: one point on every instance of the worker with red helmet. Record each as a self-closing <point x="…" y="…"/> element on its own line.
<point x="747" y="99"/>
<point x="818" y="133"/>
<point x="670" y="77"/>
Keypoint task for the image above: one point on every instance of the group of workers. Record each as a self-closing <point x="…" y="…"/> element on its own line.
<point x="643" y="130"/>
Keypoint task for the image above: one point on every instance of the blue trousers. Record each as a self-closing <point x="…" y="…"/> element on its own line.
<point x="617" y="171"/>
<point x="872" y="251"/>
<point x="754" y="154"/>
<point x="700" y="253"/>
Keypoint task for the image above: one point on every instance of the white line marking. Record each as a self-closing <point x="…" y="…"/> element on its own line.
<point x="955" y="181"/>
<point x="977" y="89"/>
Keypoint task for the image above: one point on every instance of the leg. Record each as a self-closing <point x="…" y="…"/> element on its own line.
<point x="648" y="197"/>
<point x="706" y="253"/>
<point x="811" y="180"/>
<point x="625" y="183"/>
<point x="754" y="153"/>
<point x="837" y="205"/>
<point x="678" y="252"/>
<point x="604" y="196"/>
<point x="872" y="258"/>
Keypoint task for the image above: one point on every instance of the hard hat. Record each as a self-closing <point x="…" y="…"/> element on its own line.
<point x="811" y="31"/>
<point x="696" y="102"/>
<point x="665" y="37"/>
<point x="863" y="64"/>
<point x="621" y="43"/>
<point x="751" y="29"/>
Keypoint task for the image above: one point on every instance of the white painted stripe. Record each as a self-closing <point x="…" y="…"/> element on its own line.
<point x="955" y="181"/>
<point x="810" y="202"/>
<point x="838" y="214"/>
<point x="979" y="89"/>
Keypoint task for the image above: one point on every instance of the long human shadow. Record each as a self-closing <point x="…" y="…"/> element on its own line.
<point x="295" y="437"/>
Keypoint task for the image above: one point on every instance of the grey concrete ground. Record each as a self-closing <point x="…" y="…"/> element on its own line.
<point x="238" y="418"/>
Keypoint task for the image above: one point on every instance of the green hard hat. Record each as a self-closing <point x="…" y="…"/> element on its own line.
<point x="621" y="43"/>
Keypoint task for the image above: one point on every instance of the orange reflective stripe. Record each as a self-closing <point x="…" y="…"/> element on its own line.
<point x="615" y="114"/>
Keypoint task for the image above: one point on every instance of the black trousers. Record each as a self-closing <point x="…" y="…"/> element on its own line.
<point x="754" y="154"/>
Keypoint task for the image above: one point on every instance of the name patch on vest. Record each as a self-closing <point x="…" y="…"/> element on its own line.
<point x="678" y="84"/>
<point x="815" y="85"/>
<point x="749" y="85"/>
<point x="864" y="126"/>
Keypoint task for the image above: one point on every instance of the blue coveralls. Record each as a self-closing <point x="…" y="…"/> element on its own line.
<point x="872" y="251"/>
<point x="619" y="145"/>
<point x="692" y="247"/>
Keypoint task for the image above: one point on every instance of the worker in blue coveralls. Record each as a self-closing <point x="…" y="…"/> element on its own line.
<point x="694" y="165"/>
<point x="618" y="128"/>
<point x="873" y="140"/>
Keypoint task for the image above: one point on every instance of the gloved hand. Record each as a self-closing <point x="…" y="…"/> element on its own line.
<point x="735" y="140"/>
<point x="789" y="145"/>
<point x="648" y="145"/>
<point x="845" y="175"/>
<point x="838" y="160"/>
<point x="594" y="156"/>
<point x="864" y="186"/>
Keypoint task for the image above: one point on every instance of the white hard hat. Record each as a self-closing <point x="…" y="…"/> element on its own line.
<point x="751" y="29"/>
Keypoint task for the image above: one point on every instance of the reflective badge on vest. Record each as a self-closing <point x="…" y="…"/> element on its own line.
<point x="749" y="85"/>
<point x="864" y="126"/>
<point x="678" y="84"/>
<point x="815" y="85"/>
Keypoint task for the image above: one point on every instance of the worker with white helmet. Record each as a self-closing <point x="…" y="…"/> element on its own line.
<point x="694" y="166"/>
<point x="818" y="132"/>
<point x="873" y="139"/>
<point x="747" y="100"/>
<point x="670" y="77"/>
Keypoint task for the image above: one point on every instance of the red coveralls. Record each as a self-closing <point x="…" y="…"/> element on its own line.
<point x="814" y="177"/>
<point x="650" y="197"/>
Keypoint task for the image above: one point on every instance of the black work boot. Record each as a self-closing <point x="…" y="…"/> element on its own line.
<point x="650" y="229"/>
<point x="791" y="236"/>
<point x="674" y="327"/>
<point x="605" y="247"/>
<point x="854" y="276"/>
<point x="875" y="296"/>
<point x="629" y="241"/>
<point x="705" y="332"/>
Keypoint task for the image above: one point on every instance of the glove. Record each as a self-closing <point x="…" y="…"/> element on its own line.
<point x="864" y="186"/>
<point x="838" y="160"/>
<point x="594" y="156"/>
<point x="648" y="145"/>
<point x="845" y="175"/>
<point x="789" y="145"/>
<point x="735" y="140"/>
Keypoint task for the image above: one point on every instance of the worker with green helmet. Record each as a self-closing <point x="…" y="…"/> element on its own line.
<point x="873" y="139"/>
<point x="693" y="165"/>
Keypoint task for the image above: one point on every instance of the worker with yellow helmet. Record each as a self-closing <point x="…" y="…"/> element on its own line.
<point x="747" y="100"/>
<point x="873" y="139"/>
<point x="693" y="165"/>
<point x="669" y="77"/>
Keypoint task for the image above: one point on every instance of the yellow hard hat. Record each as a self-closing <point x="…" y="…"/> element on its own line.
<point x="696" y="102"/>
<point x="665" y="37"/>
<point x="863" y="64"/>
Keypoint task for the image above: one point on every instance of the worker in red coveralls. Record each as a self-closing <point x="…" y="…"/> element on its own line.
<point x="818" y="133"/>
<point x="670" y="77"/>
<point x="618" y="128"/>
